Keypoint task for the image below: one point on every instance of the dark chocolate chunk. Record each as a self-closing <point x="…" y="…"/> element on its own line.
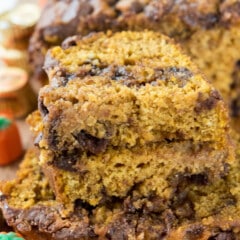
<point x="66" y="160"/>
<point x="121" y="73"/>
<point x="235" y="86"/>
<point x="194" y="232"/>
<point x="122" y="228"/>
<point x="198" y="179"/>
<point x="196" y="19"/>
<point x="236" y="76"/>
<point x="45" y="222"/>
<point x="235" y="107"/>
<point x="210" y="20"/>
<point x="153" y="227"/>
<point x="53" y="138"/>
<point x="79" y="205"/>
<point x="70" y="41"/>
<point x="62" y="77"/>
<point x="169" y="219"/>
<point x="182" y="74"/>
<point x="90" y="143"/>
<point x="224" y="236"/>
<point x="185" y="210"/>
<point x="42" y="108"/>
<point x="207" y="104"/>
<point x="179" y="72"/>
<point x="129" y="206"/>
<point x="123" y="76"/>
<point x="154" y="204"/>
<point x="96" y="70"/>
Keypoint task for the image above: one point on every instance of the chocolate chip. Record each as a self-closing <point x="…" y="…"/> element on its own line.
<point x="194" y="231"/>
<point x="169" y="219"/>
<point x="210" y="20"/>
<point x="90" y="143"/>
<point x="198" y="179"/>
<point x="109" y="201"/>
<point x="235" y="107"/>
<point x="235" y="86"/>
<point x="64" y="77"/>
<point x="185" y="210"/>
<point x="118" y="73"/>
<point x="121" y="227"/>
<point x="79" y="204"/>
<point x="129" y="206"/>
<point x="181" y="74"/>
<point x="207" y="104"/>
<point x="121" y="73"/>
<point x="154" y="204"/>
<point x="223" y="236"/>
<point x="45" y="222"/>
<point x="66" y="160"/>
<point x="207" y="21"/>
<point x="42" y="108"/>
<point x="53" y="137"/>
<point x="236" y="76"/>
<point x="70" y="41"/>
<point x="95" y="71"/>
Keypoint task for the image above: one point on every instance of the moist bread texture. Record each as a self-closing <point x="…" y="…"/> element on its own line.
<point x="208" y="31"/>
<point x="201" y="212"/>
<point x="128" y="102"/>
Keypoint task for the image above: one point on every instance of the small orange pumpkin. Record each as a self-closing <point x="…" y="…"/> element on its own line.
<point x="10" y="143"/>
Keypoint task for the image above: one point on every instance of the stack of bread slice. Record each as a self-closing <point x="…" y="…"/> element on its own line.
<point x="132" y="143"/>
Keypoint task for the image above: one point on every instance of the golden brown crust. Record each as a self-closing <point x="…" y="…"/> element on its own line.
<point x="64" y="18"/>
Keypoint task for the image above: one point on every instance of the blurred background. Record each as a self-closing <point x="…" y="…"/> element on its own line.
<point x="18" y="94"/>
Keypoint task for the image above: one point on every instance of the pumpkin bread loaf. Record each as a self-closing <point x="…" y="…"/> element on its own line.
<point x="201" y="212"/>
<point x="209" y="31"/>
<point x="127" y="112"/>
